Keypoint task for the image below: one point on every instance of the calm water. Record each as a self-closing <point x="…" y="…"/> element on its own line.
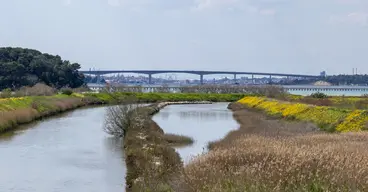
<point x="203" y="123"/>
<point x="68" y="153"/>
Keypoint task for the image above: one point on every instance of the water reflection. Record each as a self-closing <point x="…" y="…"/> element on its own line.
<point x="113" y="144"/>
<point x="7" y="136"/>
<point x="204" y="123"/>
<point x="165" y="115"/>
<point x="204" y="115"/>
<point x="198" y="115"/>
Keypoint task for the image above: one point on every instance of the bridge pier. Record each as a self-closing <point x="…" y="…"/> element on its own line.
<point x="270" y="79"/>
<point x="234" y="78"/>
<point x="149" y="78"/>
<point x="201" y="79"/>
<point x="252" y="79"/>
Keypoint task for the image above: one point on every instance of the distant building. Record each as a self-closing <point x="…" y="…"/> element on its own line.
<point x="323" y="74"/>
<point x="322" y="83"/>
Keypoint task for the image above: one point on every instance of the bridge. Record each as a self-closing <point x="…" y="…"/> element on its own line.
<point x="288" y="88"/>
<point x="200" y="73"/>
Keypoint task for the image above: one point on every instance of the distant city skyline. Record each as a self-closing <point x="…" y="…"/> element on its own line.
<point x="279" y="36"/>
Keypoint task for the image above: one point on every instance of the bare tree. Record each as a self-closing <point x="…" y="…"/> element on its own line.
<point x="120" y="117"/>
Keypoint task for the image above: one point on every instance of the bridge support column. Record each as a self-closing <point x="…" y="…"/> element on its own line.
<point x="253" y="79"/>
<point x="201" y="79"/>
<point x="98" y="79"/>
<point x="234" y="78"/>
<point x="149" y="78"/>
<point x="270" y="80"/>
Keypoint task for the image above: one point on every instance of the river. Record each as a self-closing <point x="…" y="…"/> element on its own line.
<point x="204" y="123"/>
<point x="69" y="153"/>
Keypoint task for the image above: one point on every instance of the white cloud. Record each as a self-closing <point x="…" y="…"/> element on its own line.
<point x="267" y="12"/>
<point x="350" y="2"/>
<point x="215" y="4"/>
<point x="67" y="2"/>
<point x="247" y="6"/>
<point x="114" y="2"/>
<point x="357" y="18"/>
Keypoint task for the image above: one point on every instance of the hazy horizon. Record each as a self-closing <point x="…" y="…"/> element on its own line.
<point x="280" y="36"/>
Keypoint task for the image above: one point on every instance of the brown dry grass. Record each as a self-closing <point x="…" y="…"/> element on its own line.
<point x="38" y="89"/>
<point x="42" y="107"/>
<point x="273" y="155"/>
<point x="11" y="119"/>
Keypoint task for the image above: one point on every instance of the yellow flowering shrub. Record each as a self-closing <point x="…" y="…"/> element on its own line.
<point x="274" y="107"/>
<point x="12" y="103"/>
<point x="251" y="101"/>
<point x="11" y="99"/>
<point x="271" y="107"/>
<point x="325" y="117"/>
<point x="294" y="109"/>
<point x="355" y="121"/>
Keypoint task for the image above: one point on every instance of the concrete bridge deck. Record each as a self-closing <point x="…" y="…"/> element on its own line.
<point x="200" y="73"/>
<point x="286" y="88"/>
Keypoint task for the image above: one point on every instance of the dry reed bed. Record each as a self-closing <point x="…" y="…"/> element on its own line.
<point x="304" y="163"/>
<point x="38" y="108"/>
<point x="275" y="155"/>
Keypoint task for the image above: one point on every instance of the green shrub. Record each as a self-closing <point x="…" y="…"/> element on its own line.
<point x="67" y="91"/>
<point x="319" y="95"/>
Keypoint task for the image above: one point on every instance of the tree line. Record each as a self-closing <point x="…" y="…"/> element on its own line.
<point x="26" y="67"/>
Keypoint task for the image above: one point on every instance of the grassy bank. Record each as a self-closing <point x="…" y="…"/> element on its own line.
<point x="327" y="118"/>
<point x="21" y="110"/>
<point x="276" y="155"/>
<point x="159" y="97"/>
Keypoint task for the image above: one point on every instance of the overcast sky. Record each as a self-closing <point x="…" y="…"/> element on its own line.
<point x="287" y="36"/>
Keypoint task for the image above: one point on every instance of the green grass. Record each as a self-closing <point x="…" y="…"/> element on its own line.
<point x="156" y="97"/>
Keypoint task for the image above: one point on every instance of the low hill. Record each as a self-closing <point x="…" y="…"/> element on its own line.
<point x="26" y="67"/>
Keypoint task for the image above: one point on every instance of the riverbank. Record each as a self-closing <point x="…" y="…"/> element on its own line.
<point x="152" y="163"/>
<point x="22" y="110"/>
<point x="15" y="111"/>
<point x="270" y="154"/>
<point x="330" y="119"/>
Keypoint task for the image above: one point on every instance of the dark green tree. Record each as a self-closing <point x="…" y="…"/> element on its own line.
<point x="26" y="67"/>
